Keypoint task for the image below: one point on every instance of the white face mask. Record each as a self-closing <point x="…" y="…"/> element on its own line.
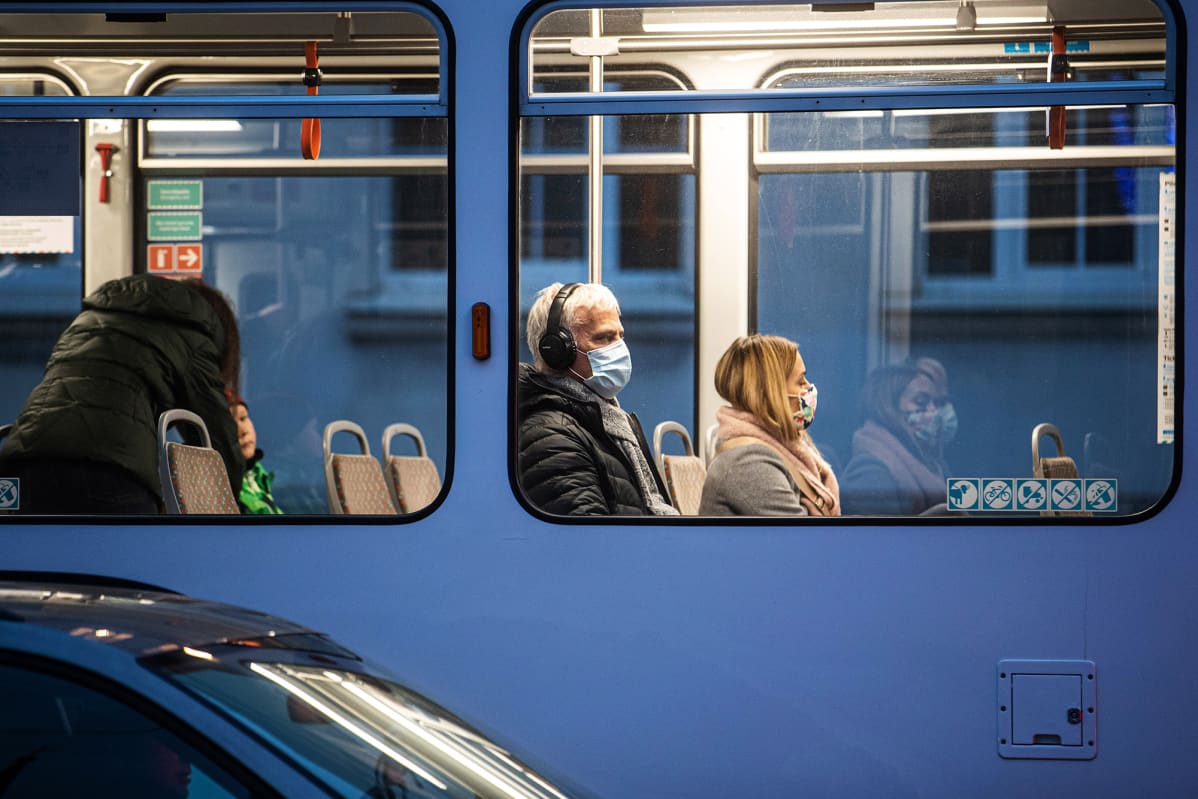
<point x="611" y="369"/>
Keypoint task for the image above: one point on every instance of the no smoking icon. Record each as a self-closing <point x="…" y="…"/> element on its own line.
<point x="1066" y="494"/>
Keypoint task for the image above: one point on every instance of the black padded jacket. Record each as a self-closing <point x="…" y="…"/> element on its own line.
<point x="567" y="464"/>
<point x="142" y="345"/>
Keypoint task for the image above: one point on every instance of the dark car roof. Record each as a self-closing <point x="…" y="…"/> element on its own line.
<point x="141" y="620"/>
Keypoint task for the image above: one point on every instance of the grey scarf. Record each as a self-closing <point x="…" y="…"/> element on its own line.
<point x="619" y="428"/>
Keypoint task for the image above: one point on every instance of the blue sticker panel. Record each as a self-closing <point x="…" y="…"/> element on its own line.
<point x="40" y="169"/>
<point x="1033" y="494"/>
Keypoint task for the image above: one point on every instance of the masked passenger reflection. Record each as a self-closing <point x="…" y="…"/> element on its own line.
<point x="897" y="466"/>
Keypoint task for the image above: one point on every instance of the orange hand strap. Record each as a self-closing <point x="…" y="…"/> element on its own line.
<point x="310" y="131"/>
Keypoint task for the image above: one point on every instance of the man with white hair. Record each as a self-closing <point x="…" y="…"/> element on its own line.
<point x="580" y="453"/>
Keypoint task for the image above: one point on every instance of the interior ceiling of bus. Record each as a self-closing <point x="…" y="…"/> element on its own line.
<point x="862" y="23"/>
<point x="345" y="27"/>
<point x="213" y="34"/>
<point x="404" y="33"/>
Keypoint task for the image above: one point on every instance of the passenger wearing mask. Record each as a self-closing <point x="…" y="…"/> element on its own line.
<point x="87" y="439"/>
<point x="766" y="463"/>
<point x="579" y="452"/>
<point x="897" y="466"/>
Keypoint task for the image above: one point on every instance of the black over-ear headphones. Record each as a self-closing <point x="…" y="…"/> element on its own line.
<point x="557" y="345"/>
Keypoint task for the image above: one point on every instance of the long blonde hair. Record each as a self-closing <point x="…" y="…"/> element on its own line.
<point x="752" y="375"/>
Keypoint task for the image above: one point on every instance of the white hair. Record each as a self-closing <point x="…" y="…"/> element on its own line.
<point x="585" y="297"/>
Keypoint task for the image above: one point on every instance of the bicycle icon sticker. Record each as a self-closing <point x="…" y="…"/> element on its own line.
<point x="997" y="494"/>
<point x="1070" y="494"/>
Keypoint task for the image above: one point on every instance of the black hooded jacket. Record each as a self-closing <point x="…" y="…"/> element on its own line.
<point x="142" y="345"/>
<point x="567" y="464"/>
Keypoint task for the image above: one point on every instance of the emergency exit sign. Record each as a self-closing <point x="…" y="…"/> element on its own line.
<point x="175" y="195"/>
<point x="174" y="226"/>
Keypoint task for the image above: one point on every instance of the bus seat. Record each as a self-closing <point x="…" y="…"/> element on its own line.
<point x="709" y="443"/>
<point x="354" y="483"/>
<point x="1057" y="466"/>
<point x="683" y="474"/>
<point x="412" y="479"/>
<point x="193" y="478"/>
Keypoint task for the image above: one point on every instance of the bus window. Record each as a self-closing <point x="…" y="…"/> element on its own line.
<point x="894" y="189"/>
<point x="337" y="265"/>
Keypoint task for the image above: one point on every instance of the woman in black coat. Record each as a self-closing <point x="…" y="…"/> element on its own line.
<point x="86" y="440"/>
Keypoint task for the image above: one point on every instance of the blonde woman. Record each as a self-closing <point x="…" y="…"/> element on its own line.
<point x="766" y="463"/>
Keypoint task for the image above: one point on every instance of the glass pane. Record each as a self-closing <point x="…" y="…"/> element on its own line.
<point x="32" y="85"/>
<point x="57" y="738"/>
<point x="340" y="287"/>
<point x="238" y="40"/>
<point x="645" y="133"/>
<point x="868" y="45"/>
<point x="850" y="270"/>
<point x="280" y="138"/>
<point x="649" y="252"/>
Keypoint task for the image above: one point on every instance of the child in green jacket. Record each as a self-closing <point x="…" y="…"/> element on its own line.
<point x="255" y="496"/>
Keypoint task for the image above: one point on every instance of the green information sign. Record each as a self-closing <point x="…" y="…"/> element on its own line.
<point x="174" y="226"/>
<point x="177" y="195"/>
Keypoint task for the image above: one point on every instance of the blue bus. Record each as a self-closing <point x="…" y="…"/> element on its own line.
<point x="995" y="188"/>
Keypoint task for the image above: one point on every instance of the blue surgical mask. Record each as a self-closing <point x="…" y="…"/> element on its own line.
<point x="611" y="369"/>
<point x="805" y="415"/>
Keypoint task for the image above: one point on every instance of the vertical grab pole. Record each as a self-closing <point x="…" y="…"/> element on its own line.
<point x="595" y="164"/>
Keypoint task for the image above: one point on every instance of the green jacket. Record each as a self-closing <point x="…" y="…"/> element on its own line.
<point x="142" y="345"/>
<point x="255" y="496"/>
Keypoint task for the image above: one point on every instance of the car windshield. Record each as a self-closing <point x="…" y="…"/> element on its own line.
<point x="360" y="735"/>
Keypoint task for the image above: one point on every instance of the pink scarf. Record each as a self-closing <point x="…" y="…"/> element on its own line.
<point x="800" y="455"/>
<point x="920" y="482"/>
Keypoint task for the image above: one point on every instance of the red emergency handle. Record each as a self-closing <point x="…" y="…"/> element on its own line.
<point x="105" y="150"/>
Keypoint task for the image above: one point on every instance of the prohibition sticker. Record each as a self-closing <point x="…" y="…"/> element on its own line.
<point x="997" y="494"/>
<point x="963" y="493"/>
<point x="1101" y="495"/>
<point x="10" y="493"/>
<point x="1031" y="494"/>
<point x="1066" y="494"/>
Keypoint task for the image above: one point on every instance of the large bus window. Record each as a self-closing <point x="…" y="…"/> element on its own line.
<point x="984" y="200"/>
<point x="336" y="258"/>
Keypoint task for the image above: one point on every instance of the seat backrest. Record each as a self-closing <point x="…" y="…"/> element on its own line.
<point x="412" y="479"/>
<point x="354" y="483"/>
<point x="194" y="479"/>
<point x="1051" y="467"/>
<point x="682" y="474"/>
<point x="709" y="443"/>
